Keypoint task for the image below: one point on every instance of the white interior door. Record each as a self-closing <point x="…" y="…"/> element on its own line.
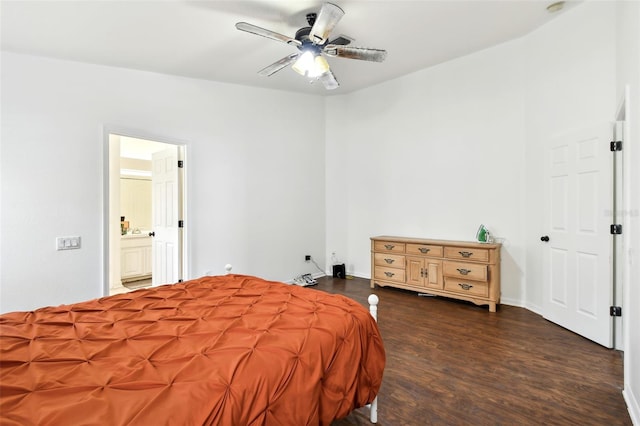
<point x="578" y="287"/>
<point x="166" y="214"/>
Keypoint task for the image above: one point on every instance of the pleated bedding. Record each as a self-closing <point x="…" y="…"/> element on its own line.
<point x="227" y="350"/>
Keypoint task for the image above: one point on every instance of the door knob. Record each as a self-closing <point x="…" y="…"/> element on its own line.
<point x="152" y="234"/>
<point x="544" y="238"/>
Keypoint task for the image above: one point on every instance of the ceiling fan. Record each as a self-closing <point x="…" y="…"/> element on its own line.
<point x="313" y="42"/>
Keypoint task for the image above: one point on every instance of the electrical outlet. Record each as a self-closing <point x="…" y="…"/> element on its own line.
<point x="307" y="257"/>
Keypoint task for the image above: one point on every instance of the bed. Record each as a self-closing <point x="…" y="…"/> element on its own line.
<point x="220" y="350"/>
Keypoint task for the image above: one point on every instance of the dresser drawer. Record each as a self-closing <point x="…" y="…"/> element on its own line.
<point x="389" y="260"/>
<point x="465" y="270"/>
<point x="472" y="288"/>
<point x="424" y="249"/>
<point x="389" y="246"/>
<point x="389" y="274"/>
<point x="465" y="253"/>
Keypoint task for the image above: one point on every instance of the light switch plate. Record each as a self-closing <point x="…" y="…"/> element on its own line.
<point x="68" y="243"/>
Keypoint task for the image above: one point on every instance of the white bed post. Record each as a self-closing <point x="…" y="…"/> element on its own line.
<point x="373" y="309"/>
<point x="227" y="268"/>
<point x="373" y="305"/>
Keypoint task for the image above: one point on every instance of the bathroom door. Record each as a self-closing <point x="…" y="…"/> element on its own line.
<point x="166" y="193"/>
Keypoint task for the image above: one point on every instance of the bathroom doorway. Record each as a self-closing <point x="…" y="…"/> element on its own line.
<point x="145" y="242"/>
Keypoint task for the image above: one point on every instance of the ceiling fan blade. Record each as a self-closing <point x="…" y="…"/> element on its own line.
<point x="250" y="28"/>
<point x="362" y="53"/>
<point x="327" y="18"/>
<point x="341" y="40"/>
<point x="329" y="80"/>
<point x="277" y="66"/>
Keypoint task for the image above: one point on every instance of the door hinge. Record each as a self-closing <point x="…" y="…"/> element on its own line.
<point x="181" y="163"/>
<point x="615" y="311"/>
<point x="616" y="229"/>
<point x="616" y="146"/>
<point x="181" y="224"/>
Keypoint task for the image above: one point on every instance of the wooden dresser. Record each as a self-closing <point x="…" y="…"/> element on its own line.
<point x="457" y="269"/>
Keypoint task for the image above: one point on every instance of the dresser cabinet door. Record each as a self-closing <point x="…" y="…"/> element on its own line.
<point x="424" y="272"/>
<point x="416" y="271"/>
<point x="434" y="274"/>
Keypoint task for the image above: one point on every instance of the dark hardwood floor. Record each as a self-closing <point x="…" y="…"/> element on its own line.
<point x="455" y="363"/>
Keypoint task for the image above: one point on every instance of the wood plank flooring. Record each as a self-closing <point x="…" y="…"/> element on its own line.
<point x="455" y="363"/>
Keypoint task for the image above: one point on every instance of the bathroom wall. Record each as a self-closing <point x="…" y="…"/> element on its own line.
<point x="135" y="193"/>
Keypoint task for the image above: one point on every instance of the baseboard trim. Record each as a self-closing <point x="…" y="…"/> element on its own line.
<point x="632" y="406"/>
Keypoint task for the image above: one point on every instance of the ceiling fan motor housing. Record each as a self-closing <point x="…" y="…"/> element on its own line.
<point x="311" y="18"/>
<point x="302" y="35"/>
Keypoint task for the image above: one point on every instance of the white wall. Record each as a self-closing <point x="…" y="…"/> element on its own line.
<point x="433" y="154"/>
<point x="255" y="173"/>
<point x="569" y="84"/>
<point x="438" y="152"/>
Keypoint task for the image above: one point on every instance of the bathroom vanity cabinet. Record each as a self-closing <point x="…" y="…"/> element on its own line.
<point x="135" y="257"/>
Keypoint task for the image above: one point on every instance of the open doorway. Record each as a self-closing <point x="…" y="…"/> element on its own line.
<point x="146" y="190"/>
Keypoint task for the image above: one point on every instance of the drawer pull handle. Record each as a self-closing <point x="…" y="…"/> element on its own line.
<point x="423" y="273"/>
<point x="389" y="246"/>
<point x="389" y="261"/>
<point x="389" y="274"/>
<point x="464" y="271"/>
<point x="423" y="250"/>
<point x="465" y="253"/>
<point x="465" y="286"/>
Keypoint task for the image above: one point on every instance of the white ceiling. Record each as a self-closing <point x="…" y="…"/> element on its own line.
<point x="198" y="39"/>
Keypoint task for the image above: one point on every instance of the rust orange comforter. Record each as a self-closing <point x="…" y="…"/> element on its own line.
<point x="229" y="350"/>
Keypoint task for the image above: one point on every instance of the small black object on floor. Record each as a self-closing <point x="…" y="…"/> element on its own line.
<point x="339" y="271"/>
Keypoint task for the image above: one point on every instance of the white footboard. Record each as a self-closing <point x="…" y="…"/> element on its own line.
<point x="373" y="309"/>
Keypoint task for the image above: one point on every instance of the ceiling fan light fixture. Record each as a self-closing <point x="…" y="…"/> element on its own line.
<point x="304" y="63"/>
<point x="321" y="66"/>
<point x="311" y="65"/>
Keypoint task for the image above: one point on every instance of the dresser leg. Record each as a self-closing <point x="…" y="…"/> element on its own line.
<point x="492" y="307"/>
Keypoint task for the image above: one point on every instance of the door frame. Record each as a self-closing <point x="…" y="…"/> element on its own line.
<point x="621" y="285"/>
<point x="110" y="251"/>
